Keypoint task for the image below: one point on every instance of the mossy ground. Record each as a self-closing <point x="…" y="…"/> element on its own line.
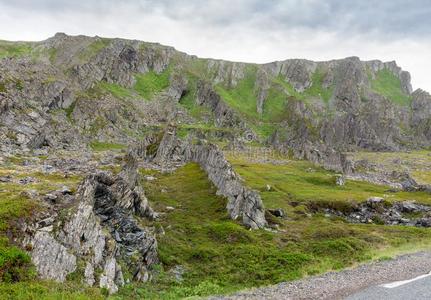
<point x="149" y="84"/>
<point x="14" y="49"/>
<point x="93" y="49"/>
<point x="218" y="254"/>
<point x="417" y="163"/>
<point x="301" y="181"/>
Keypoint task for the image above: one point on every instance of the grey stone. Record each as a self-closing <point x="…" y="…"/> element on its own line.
<point x="243" y="202"/>
<point x="52" y="259"/>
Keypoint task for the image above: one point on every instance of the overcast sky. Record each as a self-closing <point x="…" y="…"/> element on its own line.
<point x="243" y="30"/>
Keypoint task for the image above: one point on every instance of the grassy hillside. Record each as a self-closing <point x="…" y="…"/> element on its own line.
<point x="218" y="255"/>
<point x="14" y="49"/>
<point x="389" y="86"/>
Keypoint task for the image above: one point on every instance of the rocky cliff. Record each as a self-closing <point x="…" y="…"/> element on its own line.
<point x="69" y="91"/>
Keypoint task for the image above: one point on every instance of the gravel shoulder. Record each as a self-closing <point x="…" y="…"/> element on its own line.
<point x="338" y="285"/>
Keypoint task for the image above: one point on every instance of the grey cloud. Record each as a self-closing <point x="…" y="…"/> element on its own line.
<point x="387" y="18"/>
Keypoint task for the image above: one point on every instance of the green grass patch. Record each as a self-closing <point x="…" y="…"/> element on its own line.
<point x="104" y="146"/>
<point x="188" y="101"/>
<point x="301" y="181"/>
<point x="46" y="290"/>
<point x="279" y="80"/>
<point x="317" y="89"/>
<point x="14" y="49"/>
<point x="389" y="86"/>
<point x="14" y="263"/>
<point x="115" y="89"/>
<point x="149" y="84"/>
<point x="242" y="97"/>
<point x="52" y="54"/>
<point x="94" y="48"/>
<point x="69" y="111"/>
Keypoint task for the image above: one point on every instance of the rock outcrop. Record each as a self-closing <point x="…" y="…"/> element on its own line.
<point x="100" y="238"/>
<point x="243" y="203"/>
<point x="377" y="210"/>
<point x="48" y="96"/>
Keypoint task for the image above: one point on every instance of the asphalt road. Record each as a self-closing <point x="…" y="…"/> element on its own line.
<point x="387" y="279"/>
<point x="417" y="288"/>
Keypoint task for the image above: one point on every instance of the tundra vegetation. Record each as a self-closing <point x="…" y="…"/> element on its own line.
<point x="72" y="105"/>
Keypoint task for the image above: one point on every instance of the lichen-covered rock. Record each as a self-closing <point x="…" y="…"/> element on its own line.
<point x="224" y="115"/>
<point x="52" y="260"/>
<point x="47" y="99"/>
<point x="243" y="203"/>
<point x="100" y="230"/>
<point x="421" y="116"/>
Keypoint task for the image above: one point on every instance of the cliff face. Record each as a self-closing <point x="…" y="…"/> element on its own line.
<point x="67" y="91"/>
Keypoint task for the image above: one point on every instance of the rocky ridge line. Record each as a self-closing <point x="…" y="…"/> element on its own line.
<point x="243" y="202"/>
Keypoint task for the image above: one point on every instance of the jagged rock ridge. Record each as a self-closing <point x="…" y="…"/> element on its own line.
<point x="48" y="98"/>
<point x="98" y="234"/>
<point x="243" y="203"/>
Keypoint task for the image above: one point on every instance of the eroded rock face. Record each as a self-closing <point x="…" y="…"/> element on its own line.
<point x="243" y="203"/>
<point x="100" y="232"/>
<point x="51" y="258"/>
<point x="50" y="101"/>
<point x="296" y="71"/>
<point x="224" y="115"/>
<point x="421" y="112"/>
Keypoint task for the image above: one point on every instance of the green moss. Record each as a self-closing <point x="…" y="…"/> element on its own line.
<point x="14" y="49"/>
<point x="279" y="80"/>
<point x="94" y="48"/>
<point x="2" y="87"/>
<point x="19" y="85"/>
<point x="301" y="181"/>
<point x="151" y="83"/>
<point x="98" y="124"/>
<point x="69" y="111"/>
<point x="389" y="86"/>
<point x="14" y="263"/>
<point x="104" y="146"/>
<point x="242" y="97"/>
<point x="46" y="290"/>
<point x="52" y="54"/>
<point x="115" y="89"/>
<point x="317" y="89"/>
